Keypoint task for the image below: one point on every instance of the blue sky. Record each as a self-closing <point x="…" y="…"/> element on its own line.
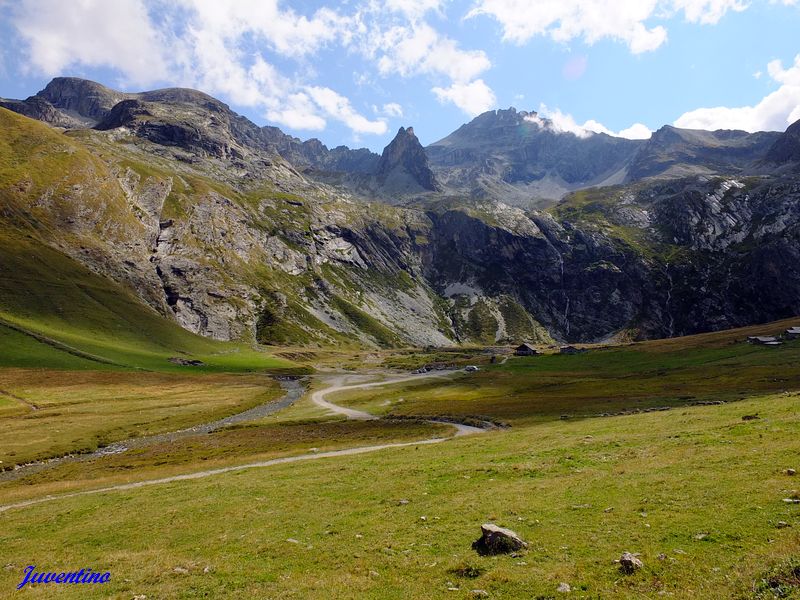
<point x="353" y="72"/>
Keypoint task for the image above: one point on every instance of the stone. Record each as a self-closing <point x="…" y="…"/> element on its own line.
<point x="564" y="588"/>
<point x="402" y="502"/>
<point x="629" y="563"/>
<point x="792" y="500"/>
<point x="479" y="593"/>
<point x="181" y="570"/>
<point x="791" y="472"/>
<point x="497" y="540"/>
<point x="782" y="525"/>
<point x="185" y="362"/>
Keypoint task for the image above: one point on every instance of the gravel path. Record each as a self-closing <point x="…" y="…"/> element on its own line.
<point x="318" y="398"/>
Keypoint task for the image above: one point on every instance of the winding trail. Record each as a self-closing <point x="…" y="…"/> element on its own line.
<point x="318" y="397"/>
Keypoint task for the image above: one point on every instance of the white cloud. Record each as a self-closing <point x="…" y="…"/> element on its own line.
<point x="339" y="108"/>
<point x="414" y="9"/>
<point x="94" y="33"/>
<point x="472" y="98"/>
<point x="298" y="112"/>
<point x="393" y="109"/>
<point x="560" y="122"/>
<point x="284" y="30"/>
<point x="774" y="112"/>
<point x="594" y="20"/>
<point x="707" y="12"/>
<point x="420" y="49"/>
<point x="637" y="131"/>
<point x="565" y="20"/>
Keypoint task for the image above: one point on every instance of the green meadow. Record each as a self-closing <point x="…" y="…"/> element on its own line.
<point x="697" y="491"/>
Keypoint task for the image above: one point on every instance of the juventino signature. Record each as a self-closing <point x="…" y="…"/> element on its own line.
<point x="82" y="576"/>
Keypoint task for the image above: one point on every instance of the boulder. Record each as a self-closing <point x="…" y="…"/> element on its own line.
<point x="497" y="540"/>
<point x="629" y="563"/>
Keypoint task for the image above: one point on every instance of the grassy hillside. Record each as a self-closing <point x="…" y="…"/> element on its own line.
<point x="55" y="298"/>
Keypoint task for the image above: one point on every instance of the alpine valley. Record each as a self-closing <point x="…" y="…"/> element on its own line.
<point x="507" y="229"/>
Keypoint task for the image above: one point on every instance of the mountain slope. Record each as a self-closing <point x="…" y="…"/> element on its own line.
<point x="674" y="152"/>
<point x="176" y="199"/>
<point x="786" y="148"/>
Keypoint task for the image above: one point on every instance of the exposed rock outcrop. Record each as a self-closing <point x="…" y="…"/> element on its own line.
<point x="404" y="165"/>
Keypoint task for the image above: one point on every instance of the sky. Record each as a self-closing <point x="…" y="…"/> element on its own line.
<point x="353" y="72"/>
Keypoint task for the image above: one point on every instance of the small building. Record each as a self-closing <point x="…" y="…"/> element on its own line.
<point x="525" y="350"/>
<point x="793" y="333"/>
<point x="571" y="350"/>
<point x="764" y="340"/>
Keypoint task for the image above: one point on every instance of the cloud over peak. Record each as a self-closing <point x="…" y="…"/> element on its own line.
<point x="559" y="122"/>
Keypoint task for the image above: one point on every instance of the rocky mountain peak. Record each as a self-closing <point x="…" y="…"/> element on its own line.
<point x="81" y="97"/>
<point x="405" y="164"/>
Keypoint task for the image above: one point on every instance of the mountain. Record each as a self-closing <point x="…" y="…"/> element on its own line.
<point x="674" y="152"/>
<point x="524" y="159"/>
<point x="786" y="148"/>
<point x="191" y="209"/>
<point x="404" y="164"/>
<point x="73" y="103"/>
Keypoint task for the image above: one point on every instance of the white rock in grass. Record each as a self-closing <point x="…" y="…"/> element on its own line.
<point x="629" y="563"/>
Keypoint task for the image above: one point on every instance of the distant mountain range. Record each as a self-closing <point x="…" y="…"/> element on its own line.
<point x="518" y="156"/>
<point x="506" y="229"/>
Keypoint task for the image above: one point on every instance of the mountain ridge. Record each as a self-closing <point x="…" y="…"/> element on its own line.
<point x="186" y="204"/>
<point x="529" y="162"/>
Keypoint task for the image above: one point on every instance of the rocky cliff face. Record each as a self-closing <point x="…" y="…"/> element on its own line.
<point x="87" y="101"/>
<point x="404" y="164"/>
<point x="188" y="204"/>
<point x="313" y="154"/>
